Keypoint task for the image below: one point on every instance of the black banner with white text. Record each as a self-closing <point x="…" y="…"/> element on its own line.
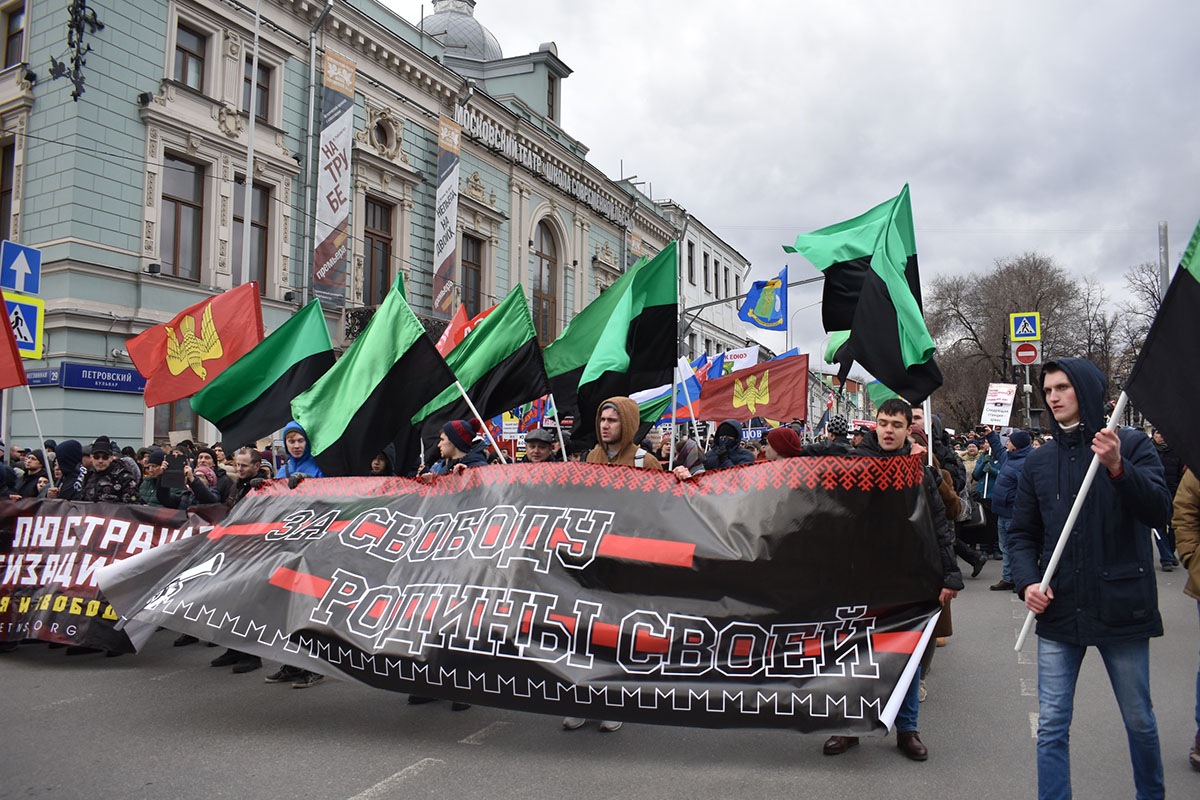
<point x="793" y="594"/>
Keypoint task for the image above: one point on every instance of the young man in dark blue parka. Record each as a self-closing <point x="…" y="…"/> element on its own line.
<point x="1103" y="593"/>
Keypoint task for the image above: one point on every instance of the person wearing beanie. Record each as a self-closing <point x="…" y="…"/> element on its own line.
<point x="69" y="461"/>
<point x="109" y="480"/>
<point x="1004" y="496"/>
<point x="458" y="449"/>
<point x="148" y="488"/>
<point x="837" y="442"/>
<point x="726" y="450"/>
<point x="207" y="457"/>
<point x="783" y="443"/>
<point x="35" y="469"/>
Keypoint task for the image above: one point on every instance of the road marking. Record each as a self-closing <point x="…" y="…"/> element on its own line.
<point x="385" y="786"/>
<point x="63" y="702"/>
<point x="1033" y="719"/>
<point x="1026" y="657"/>
<point x="478" y="736"/>
<point x="166" y="675"/>
<point x="1029" y="687"/>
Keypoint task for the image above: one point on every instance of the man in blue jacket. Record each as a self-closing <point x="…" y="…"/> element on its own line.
<point x="1103" y="593"/>
<point x="1004" y="497"/>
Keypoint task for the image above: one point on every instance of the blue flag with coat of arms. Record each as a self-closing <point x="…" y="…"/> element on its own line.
<point x="766" y="303"/>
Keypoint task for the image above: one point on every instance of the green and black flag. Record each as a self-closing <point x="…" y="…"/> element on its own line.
<point x="872" y="297"/>
<point x="363" y="403"/>
<point x="623" y="342"/>
<point x="1164" y="382"/>
<point x="253" y="396"/>
<point x="499" y="363"/>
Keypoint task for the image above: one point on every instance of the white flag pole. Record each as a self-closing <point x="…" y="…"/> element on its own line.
<point x="675" y="376"/>
<point x="562" y="445"/>
<point x="1069" y="525"/>
<point x="687" y="394"/>
<point x="929" y="431"/>
<point x="41" y="439"/>
<point x="482" y="424"/>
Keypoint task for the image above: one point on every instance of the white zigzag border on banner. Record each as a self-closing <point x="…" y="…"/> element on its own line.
<point x="748" y="701"/>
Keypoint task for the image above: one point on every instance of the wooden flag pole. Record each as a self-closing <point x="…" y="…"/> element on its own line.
<point x="482" y="424"/>
<point x="41" y="439"/>
<point x="1069" y="525"/>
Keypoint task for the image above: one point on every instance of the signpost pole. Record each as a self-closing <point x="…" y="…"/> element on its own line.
<point x="1028" y="400"/>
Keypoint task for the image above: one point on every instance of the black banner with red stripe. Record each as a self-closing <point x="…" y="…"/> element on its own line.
<point x="792" y="594"/>
<point x="51" y="552"/>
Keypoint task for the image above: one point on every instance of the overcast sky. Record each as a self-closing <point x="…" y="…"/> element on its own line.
<point x="1067" y="128"/>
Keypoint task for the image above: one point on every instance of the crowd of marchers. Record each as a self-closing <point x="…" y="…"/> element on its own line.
<point x="993" y="497"/>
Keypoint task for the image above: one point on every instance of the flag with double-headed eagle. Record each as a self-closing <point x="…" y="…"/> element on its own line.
<point x="180" y="357"/>
<point x="776" y="389"/>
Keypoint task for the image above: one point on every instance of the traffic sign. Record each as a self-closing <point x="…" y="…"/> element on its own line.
<point x="1026" y="353"/>
<point x="26" y="315"/>
<point x="1025" y="326"/>
<point x="20" y="268"/>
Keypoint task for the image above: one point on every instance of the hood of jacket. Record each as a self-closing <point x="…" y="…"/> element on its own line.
<point x="306" y="463"/>
<point x="627" y="412"/>
<point x="731" y="428"/>
<point x="1090" y="385"/>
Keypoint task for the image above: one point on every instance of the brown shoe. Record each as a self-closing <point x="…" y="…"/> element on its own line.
<point x="909" y="743"/>
<point x="836" y="745"/>
<point x="1002" y="586"/>
<point x="1194" y="755"/>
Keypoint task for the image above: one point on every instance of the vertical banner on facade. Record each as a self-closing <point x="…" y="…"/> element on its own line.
<point x="333" y="184"/>
<point x="445" y="226"/>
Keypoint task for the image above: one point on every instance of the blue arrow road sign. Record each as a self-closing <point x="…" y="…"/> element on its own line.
<point x="20" y="268"/>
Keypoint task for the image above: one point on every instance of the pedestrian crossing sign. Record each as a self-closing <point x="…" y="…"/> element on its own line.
<point x="26" y="315"/>
<point x="1025" y="326"/>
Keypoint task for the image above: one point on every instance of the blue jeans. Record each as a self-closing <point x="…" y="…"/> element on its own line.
<point x="1128" y="666"/>
<point x="1002" y="525"/>
<point x="906" y="717"/>
<point x="1166" y="545"/>
<point x="1197" y="685"/>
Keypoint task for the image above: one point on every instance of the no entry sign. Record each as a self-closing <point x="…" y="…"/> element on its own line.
<point x="1027" y="353"/>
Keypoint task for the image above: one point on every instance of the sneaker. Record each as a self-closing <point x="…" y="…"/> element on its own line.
<point x="247" y="664"/>
<point x="308" y="679"/>
<point x="1194" y="755"/>
<point x="941" y="641"/>
<point x="1168" y="566"/>
<point x="183" y="640"/>
<point x="284" y="674"/>
<point x="610" y="726"/>
<point x="226" y="659"/>
<point x="922" y="692"/>
<point x="573" y="723"/>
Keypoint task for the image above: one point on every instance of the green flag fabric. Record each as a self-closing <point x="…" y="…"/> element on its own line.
<point x="499" y="363"/>
<point x="252" y="398"/>
<point x="1164" y="382"/>
<point x="873" y="290"/>
<point x="623" y="342"/>
<point x="370" y="395"/>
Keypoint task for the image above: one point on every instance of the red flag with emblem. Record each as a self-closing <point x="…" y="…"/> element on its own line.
<point x="179" y="358"/>
<point x="774" y="389"/>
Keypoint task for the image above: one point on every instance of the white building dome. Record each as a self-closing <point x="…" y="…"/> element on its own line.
<point x="453" y="25"/>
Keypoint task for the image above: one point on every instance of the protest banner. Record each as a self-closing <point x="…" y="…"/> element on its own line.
<point x="997" y="408"/>
<point x="50" y="552"/>
<point x="794" y="594"/>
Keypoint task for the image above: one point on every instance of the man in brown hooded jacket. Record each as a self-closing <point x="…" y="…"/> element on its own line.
<point x="616" y="425"/>
<point x="617" y="422"/>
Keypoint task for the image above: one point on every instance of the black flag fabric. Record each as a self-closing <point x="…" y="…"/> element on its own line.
<point x="753" y="597"/>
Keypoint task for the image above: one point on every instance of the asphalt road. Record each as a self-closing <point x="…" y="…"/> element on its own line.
<point x="163" y="724"/>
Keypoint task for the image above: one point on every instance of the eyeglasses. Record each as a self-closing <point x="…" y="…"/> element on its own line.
<point x="101" y="456"/>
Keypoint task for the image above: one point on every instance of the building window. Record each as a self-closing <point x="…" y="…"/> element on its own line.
<point x="189" y="57"/>
<point x="551" y="96"/>
<point x="716" y="278"/>
<point x="472" y="274"/>
<point x="691" y="347"/>
<point x="692" y="263"/>
<point x="708" y="346"/>
<point x="14" y="39"/>
<point x="260" y="229"/>
<point x="377" y="251"/>
<point x="727" y="281"/>
<point x="261" y="88"/>
<point x="707" y="283"/>
<point x="545" y="284"/>
<point x="7" y="160"/>
<point x="737" y="285"/>
<point x="177" y="416"/>
<point x="182" y="217"/>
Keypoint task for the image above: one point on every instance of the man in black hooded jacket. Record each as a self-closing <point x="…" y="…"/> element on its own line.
<point x="725" y="450"/>
<point x="1103" y="593"/>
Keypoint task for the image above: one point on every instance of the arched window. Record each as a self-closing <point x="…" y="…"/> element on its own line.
<point x="545" y="284"/>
